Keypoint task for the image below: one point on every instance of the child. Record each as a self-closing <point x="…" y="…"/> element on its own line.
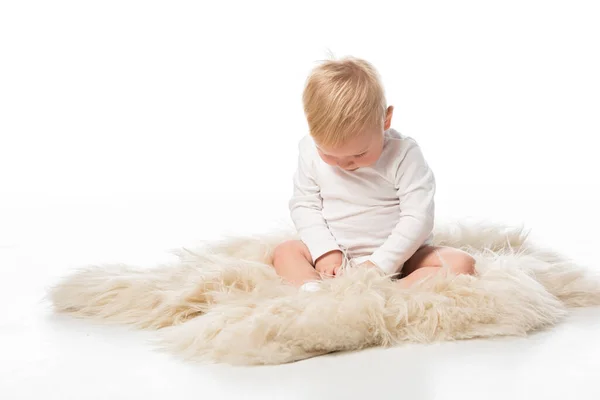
<point x="363" y="193"/>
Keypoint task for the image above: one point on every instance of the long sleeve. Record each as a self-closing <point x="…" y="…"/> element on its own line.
<point x="306" y="211"/>
<point x="415" y="184"/>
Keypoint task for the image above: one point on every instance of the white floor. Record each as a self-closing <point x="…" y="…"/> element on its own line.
<point x="51" y="357"/>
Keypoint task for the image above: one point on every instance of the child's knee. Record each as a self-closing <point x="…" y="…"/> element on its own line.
<point x="463" y="263"/>
<point x="290" y="248"/>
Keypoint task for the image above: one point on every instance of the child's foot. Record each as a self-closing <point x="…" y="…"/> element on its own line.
<point x="311" y="286"/>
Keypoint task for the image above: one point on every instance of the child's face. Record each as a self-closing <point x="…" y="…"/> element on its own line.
<point x="362" y="151"/>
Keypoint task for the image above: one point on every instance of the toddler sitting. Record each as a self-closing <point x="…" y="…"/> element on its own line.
<point x="363" y="192"/>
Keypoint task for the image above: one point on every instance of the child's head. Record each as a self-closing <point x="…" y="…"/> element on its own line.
<point x="346" y="110"/>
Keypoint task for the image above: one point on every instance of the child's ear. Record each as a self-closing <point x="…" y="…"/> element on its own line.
<point x="388" y="118"/>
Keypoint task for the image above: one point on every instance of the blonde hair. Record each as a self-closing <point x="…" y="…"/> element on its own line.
<point x="341" y="98"/>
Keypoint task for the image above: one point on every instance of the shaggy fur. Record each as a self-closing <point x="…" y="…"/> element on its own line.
<point x="223" y="302"/>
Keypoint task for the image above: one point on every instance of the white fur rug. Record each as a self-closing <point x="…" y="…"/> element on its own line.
<point x="224" y="303"/>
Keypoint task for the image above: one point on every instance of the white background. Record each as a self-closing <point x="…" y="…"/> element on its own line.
<point x="131" y="127"/>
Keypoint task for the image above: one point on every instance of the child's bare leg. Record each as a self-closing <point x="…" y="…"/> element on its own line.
<point x="428" y="260"/>
<point x="293" y="262"/>
<point x="416" y="276"/>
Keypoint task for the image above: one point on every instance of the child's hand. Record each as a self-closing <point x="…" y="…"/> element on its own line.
<point x="367" y="264"/>
<point x="329" y="263"/>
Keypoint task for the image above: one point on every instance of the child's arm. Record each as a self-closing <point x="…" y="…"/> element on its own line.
<point x="306" y="211"/>
<point x="415" y="183"/>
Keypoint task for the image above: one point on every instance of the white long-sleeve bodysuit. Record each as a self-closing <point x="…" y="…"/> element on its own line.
<point x="383" y="213"/>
